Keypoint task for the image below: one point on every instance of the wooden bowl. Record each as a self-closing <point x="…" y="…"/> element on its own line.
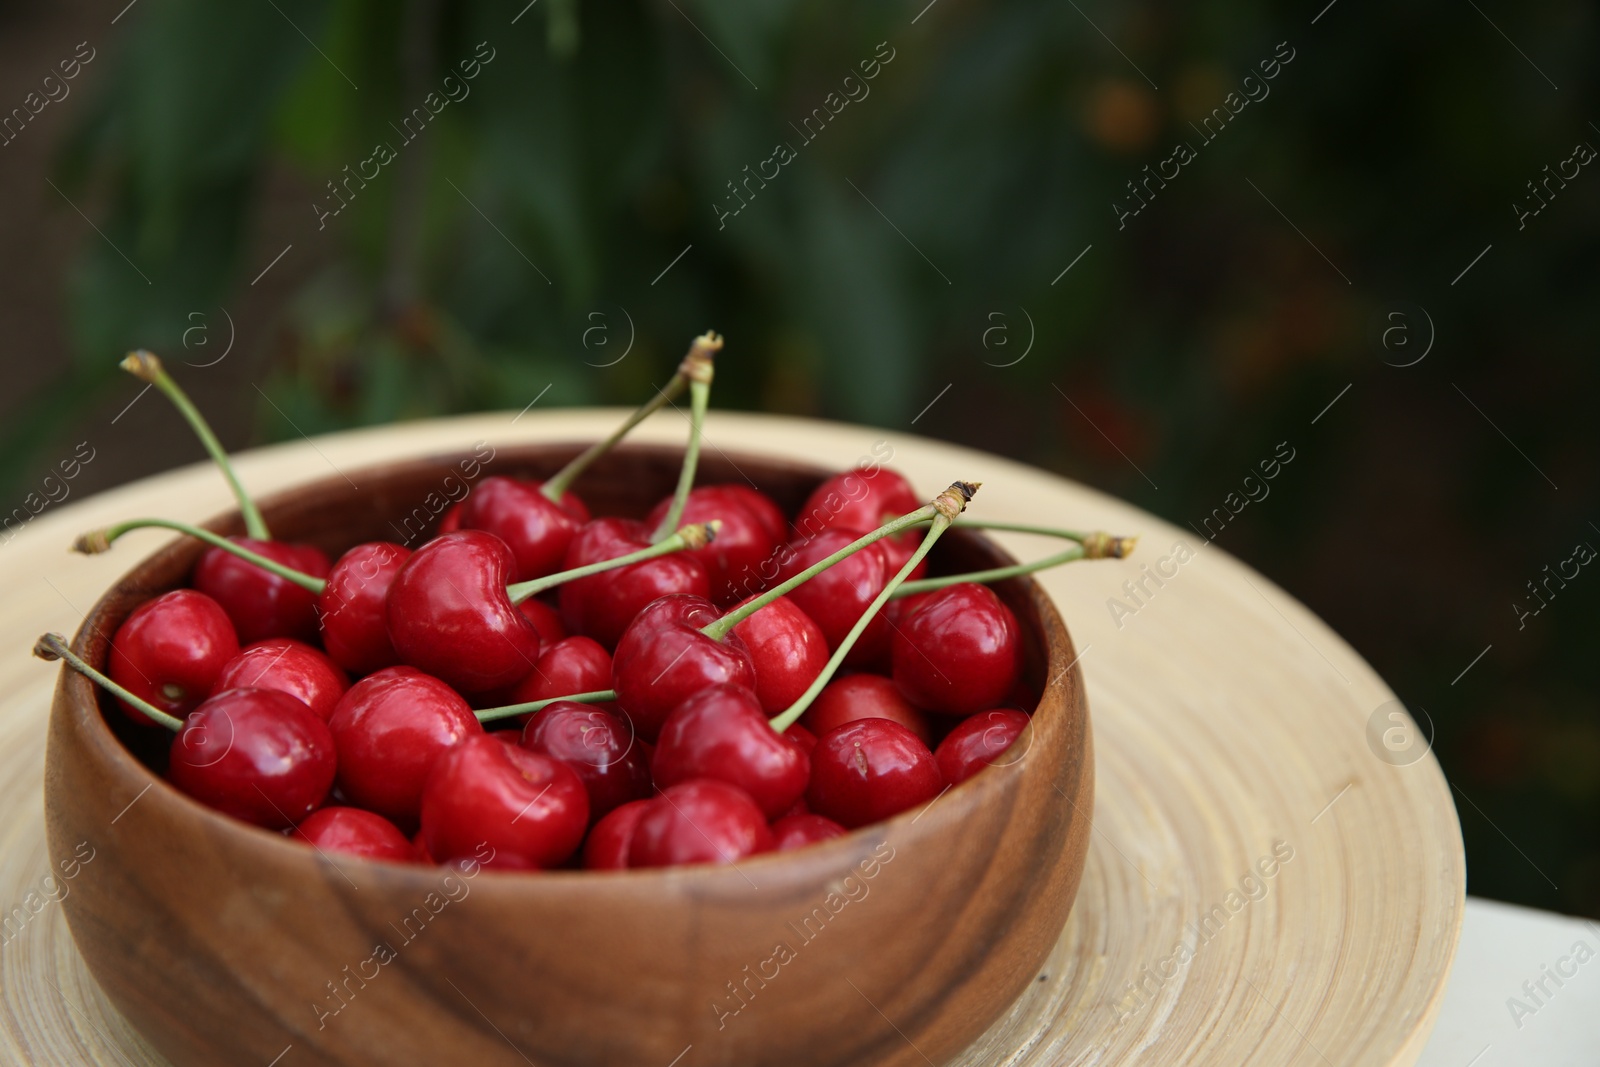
<point x="897" y="944"/>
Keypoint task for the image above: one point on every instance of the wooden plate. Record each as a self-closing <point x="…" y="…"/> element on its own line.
<point x="1276" y="875"/>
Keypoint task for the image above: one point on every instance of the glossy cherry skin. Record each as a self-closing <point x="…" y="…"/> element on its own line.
<point x="864" y="696"/>
<point x="354" y="832"/>
<point x="537" y="529"/>
<point x="700" y="821"/>
<point x="255" y="754"/>
<point x="170" y="650"/>
<point x="606" y="848"/>
<point x="545" y="619"/>
<point x="602" y="605"/>
<point x="867" y="770"/>
<point x="959" y="653"/>
<point x="722" y="733"/>
<point x="798" y="831"/>
<point x="390" y="729"/>
<point x="859" y="501"/>
<point x="289" y="666"/>
<point x="742" y="544"/>
<point x="836" y="598"/>
<point x="530" y="809"/>
<point x="450" y="615"/>
<point x="352" y="609"/>
<point x="571" y="665"/>
<point x="664" y="659"/>
<point x="262" y="604"/>
<point x="787" y="649"/>
<point x="978" y="741"/>
<point x="598" y="746"/>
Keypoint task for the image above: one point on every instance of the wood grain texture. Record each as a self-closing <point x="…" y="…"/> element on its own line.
<point x="1229" y="722"/>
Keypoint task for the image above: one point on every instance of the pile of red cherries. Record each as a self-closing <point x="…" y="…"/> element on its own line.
<point x="415" y="706"/>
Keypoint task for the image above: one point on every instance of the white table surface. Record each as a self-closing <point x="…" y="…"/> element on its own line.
<point x="1503" y="946"/>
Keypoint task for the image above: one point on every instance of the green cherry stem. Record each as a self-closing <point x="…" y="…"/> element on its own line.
<point x="699" y="372"/>
<point x="1096" y="545"/>
<point x="719" y="629"/>
<point x="703" y="347"/>
<point x="52" y="647"/>
<point x="949" y="504"/>
<point x="98" y="541"/>
<point x="695" y="535"/>
<point x="494" y="714"/>
<point x="146" y="366"/>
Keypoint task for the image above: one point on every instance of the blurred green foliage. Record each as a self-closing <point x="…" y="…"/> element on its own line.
<point x="598" y="143"/>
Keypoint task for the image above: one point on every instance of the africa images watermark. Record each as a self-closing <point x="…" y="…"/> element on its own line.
<point x="53" y="889"/>
<point x="54" y="490"/>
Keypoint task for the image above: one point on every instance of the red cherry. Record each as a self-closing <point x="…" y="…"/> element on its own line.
<point x="608" y="843"/>
<point x="537" y="529"/>
<point x="838" y="596"/>
<point x="390" y="729"/>
<point x="450" y="521"/>
<point x="721" y="733"/>
<point x="763" y="507"/>
<point x="602" y="605"/>
<point x="788" y="651"/>
<point x="859" y="501"/>
<point x="867" y="770"/>
<point x="798" y="831"/>
<point x="262" y="604"/>
<point x="289" y="666"/>
<point x="741" y="545"/>
<point x="978" y="741"/>
<point x="352" y="609"/>
<point x="698" y="822"/>
<point x="546" y="620"/>
<point x="423" y="854"/>
<point x="801" y="736"/>
<point x="353" y="832"/>
<point x="597" y="745"/>
<point x="255" y="754"/>
<point x="664" y="659"/>
<point x="959" y="653"/>
<point x="864" y="696"/>
<point x="170" y="650"/>
<point x="530" y="809"/>
<point x="571" y="665"/>
<point x="450" y="615"/>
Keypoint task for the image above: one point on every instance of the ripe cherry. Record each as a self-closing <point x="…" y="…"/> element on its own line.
<point x="170" y="650"/>
<point x="798" y="831"/>
<point x="262" y="604"/>
<point x="546" y="620"/>
<point x="538" y="530"/>
<point x="787" y="649"/>
<point x="742" y="543"/>
<point x="352" y="608"/>
<point x="664" y="659"/>
<point x="837" y="597"/>
<point x="531" y="810"/>
<point x="602" y="605"/>
<point x="289" y="666"/>
<point x="959" y="653"/>
<point x="609" y="841"/>
<point x="390" y="729"/>
<point x="450" y="521"/>
<point x="571" y="665"/>
<point x="701" y="821"/>
<point x="868" y="770"/>
<point x="860" y="500"/>
<point x="354" y="832"/>
<point x="597" y="745"/>
<point x="977" y="742"/>
<point x="255" y="754"/>
<point x="721" y="733"/>
<point x="864" y="696"/>
<point x="450" y="615"/>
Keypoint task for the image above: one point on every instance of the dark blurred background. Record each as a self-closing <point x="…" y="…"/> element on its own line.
<point x="570" y="196"/>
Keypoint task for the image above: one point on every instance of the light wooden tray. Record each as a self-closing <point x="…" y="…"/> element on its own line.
<point x="1274" y="879"/>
